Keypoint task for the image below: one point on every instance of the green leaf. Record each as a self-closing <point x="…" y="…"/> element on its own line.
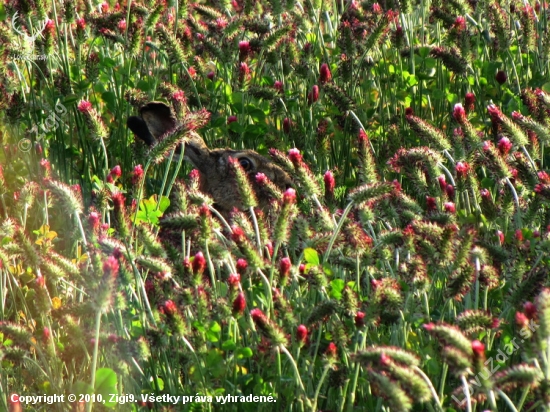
<point x="199" y="326"/>
<point x="424" y="51"/>
<point x="244" y="353"/>
<point x="164" y="203"/>
<point x="105" y="384"/>
<point x="257" y="115"/>
<point x="311" y="256"/>
<point x="81" y="388"/>
<point x="213" y="333"/>
<point x="336" y="288"/>
<point x="229" y="345"/>
<point x="108" y="62"/>
<point x="110" y="100"/>
<point x="236" y="99"/>
<point x="159" y="382"/>
<point x="452" y="98"/>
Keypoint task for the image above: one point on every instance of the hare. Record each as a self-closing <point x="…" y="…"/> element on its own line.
<point x="157" y="118"/>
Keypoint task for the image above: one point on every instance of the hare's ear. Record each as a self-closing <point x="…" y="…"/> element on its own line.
<point x="140" y="129"/>
<point x="156" y="119"/>
<point x="196" y="151"/>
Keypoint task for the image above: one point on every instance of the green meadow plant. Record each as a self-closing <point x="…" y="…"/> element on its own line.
<point x="406" y="269"/>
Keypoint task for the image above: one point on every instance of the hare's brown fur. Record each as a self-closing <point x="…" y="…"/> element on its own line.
<point x="217" y="180"/>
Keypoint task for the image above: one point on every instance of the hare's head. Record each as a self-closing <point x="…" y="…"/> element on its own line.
<point x="217" y="180"/>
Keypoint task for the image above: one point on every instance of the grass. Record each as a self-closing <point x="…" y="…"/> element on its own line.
<point x="408" y="271"/>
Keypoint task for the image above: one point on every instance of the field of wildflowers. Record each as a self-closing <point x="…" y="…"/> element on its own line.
<point x="406" y="270"/>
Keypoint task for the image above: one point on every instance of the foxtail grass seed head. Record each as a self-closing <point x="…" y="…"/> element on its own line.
<point x="246" y="193"/>
<point x="93" y="121"/>
<point x="450" y="335"/>
<point x="543" y="314"/>
<point x="70" y="200"/>
<point x="268" y="328"/>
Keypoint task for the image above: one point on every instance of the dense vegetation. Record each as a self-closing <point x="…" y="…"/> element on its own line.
<point x="408" y="270"/>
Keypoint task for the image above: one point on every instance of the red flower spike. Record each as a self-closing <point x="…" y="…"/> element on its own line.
<point x="331" y="350"/>
<point x="234" y="279"/>
<point x="330" y="183"/>
<point x="478" y="348"/>
<point x="284" y="267"/>
<point x="301" y="334"/>
<point x="199" y="263"/>
<point x="459" y="113"/>
<point x="93" y="220"/>
<point x="504" y="146"/>
<point x="241" y="266"/>
<point x="84" y="106"/>
<point x="359" y="319"/>
<point x="289" y="196"/>
<point x="239" y="304"/>
<point x="169" y="307"/>
<point x="324" y="74"/>
<point x="469" y="101"/>
<point x="313" y="95"/>
<point x="110" y="267"/>
<point x="278" y="85"/>
<point x="442" y="182"/>
<point x="521" y="320"/>
<point x="450" y="207"/>
<point x="530" y="310"/>
<point x="116" y="171"/>
<point x="428" y="326"/>
<point x="287" y="125"/>
<point x="501" y="77"/>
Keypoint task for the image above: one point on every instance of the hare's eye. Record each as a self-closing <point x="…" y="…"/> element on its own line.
<point x="245" y="163"/>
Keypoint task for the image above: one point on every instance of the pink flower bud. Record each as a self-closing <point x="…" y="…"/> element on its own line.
<point x="241" y="266"/>
<point x="287" y="125"/>
<point x="501" y="77"/>
<point x="504" y="146"/>
<point x="295" y="156"/>
<point x="239" y="304"/>
<point x="301" y="334"/>
<point x="330" y="183"/>
<point x="278" y="85"/>
<point x="324" y="74"/>
<point x="359" y="319"/>
<point x="199" y="263"/>
<point x="84" y="106"/>
<point x="116" y="171"/>
<point x="313" y="95"/>
<point x="284" y="267"/>
<point x="450" y="207"/>
<point x="289" y="196"/>
<point x="459" y="113"/>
